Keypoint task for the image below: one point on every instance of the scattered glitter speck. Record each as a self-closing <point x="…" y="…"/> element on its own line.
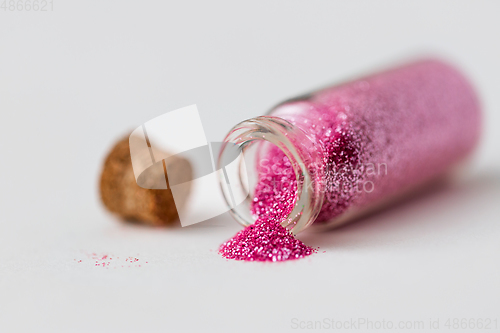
<point x="107" y="260"/>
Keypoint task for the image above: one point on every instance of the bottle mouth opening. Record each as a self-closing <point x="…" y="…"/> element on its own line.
<point x="306" y="159"/>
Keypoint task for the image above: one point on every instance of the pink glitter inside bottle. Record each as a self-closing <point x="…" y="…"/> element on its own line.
<point x="341" y="151"/>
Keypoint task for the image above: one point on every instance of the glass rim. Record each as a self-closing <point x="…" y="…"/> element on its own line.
<point x="306" y="159"/>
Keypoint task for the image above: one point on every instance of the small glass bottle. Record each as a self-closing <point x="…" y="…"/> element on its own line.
<point x="362" y="144"/>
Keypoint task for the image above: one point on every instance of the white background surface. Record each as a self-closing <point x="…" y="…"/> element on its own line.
<point x="75" y="79"/>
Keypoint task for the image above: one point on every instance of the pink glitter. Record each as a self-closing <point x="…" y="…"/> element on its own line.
<point x="106" y="260"/>
<point x="416" y="121"/>
<point x="265" y="240"/>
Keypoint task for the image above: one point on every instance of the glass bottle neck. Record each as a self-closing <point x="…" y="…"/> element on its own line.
<point x="306" y="158"/>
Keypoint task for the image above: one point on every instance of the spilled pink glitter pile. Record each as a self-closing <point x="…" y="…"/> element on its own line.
<point x="266" y="239"/>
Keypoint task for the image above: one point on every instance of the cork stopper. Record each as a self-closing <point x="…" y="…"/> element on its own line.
<point x="122" y="196"/>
